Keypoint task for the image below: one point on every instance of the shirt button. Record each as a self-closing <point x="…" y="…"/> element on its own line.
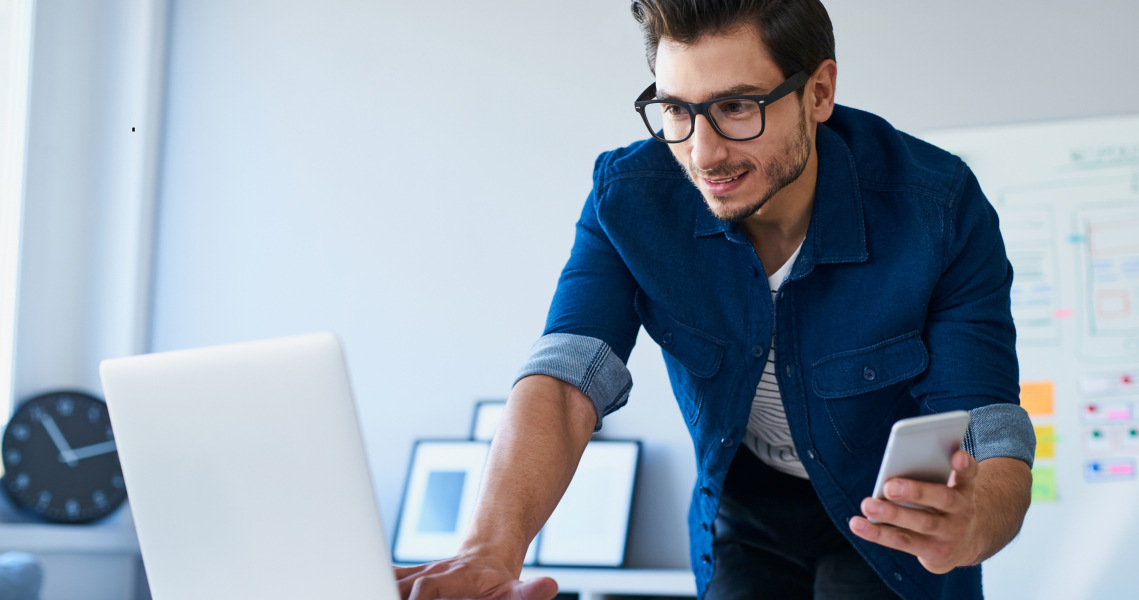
<point x="869" y="374"/>
<point x="898" y="576"/>
<point x="757" y="352"/>
<point x="666" y="339"/>
<point x="787" y="370"/>
<point x="811" y="454"/>
<point x="725" y="442"/>
<point x="705" y="491"/>
<point x="707" y="559"/>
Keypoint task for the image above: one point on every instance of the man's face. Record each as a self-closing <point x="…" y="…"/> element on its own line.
<point x="735" y="178"/>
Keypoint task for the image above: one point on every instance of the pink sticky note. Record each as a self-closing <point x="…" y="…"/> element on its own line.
<point x="1063" y="313"/>
<point x="1124" y="469"/>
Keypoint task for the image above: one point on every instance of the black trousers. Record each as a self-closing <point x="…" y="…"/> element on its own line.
<point x="773" y="539"/>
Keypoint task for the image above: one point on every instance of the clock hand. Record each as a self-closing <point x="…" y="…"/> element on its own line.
<point x="65" y="452"/>
<point x="94" y="450"/>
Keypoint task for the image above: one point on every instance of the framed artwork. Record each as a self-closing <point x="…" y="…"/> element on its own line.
<point x="590" y="525"/>
<point x="439" y="500"/>
<point x="487" y="415"/>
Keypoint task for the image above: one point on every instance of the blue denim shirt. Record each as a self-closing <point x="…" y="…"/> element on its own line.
<point x="898" y="305"/>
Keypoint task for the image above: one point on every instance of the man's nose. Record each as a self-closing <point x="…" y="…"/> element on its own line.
<point x="708" y="147"/>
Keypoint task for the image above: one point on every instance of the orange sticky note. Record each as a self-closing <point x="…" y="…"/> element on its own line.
<point x="1045" y="441"/>
<point x="1036" y="397"/>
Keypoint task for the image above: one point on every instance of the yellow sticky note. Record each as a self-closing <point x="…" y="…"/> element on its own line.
<point x="1044" y="483"/>
<point x="1037" y="397"/>
<point x="1045" y="441"/>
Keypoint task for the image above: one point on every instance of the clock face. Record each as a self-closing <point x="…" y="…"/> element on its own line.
<point x="60" y="459"/>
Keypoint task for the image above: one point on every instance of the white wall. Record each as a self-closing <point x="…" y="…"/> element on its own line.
<point x="932" y="65"/>
<point x="408" y="175"/>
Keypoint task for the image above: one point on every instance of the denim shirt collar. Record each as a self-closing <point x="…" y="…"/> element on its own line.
<point x="837" y="231"/>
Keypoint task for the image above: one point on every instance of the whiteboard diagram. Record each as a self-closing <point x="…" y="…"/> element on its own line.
<point x="1110" y="260"/>
<point x="1067" y="195"/>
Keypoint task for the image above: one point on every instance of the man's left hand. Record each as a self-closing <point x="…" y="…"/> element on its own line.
<point x="943" y="533"/>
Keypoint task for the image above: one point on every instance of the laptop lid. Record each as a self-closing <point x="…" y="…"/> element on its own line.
<point x="246" y="472"/>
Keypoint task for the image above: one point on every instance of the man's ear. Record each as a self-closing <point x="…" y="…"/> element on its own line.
<point x="819" y="91"/>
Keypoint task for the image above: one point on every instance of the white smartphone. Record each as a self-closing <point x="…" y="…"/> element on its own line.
<point x="921" y="448"/>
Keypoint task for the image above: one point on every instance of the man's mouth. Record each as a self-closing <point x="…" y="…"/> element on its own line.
<point x="723" y="180"/>
<point x="724" y="185"/>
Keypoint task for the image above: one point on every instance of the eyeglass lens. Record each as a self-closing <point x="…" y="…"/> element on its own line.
<point x="735" y="118"/>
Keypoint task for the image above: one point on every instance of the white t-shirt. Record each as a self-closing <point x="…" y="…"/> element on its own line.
<point x="768" y="435"/>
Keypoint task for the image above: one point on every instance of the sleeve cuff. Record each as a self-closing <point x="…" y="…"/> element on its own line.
<point x="1000" y="430"/>
<point x="585" y="362"/>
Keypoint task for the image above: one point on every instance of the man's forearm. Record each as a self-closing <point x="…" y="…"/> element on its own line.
<point x="543" y="432"/>
<point x="1003" y="493"/>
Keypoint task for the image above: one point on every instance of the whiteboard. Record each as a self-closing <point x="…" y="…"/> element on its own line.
<point x="1068" y="198"/>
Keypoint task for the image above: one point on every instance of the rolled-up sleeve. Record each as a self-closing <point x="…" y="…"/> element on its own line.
<point x="592" y="324"/>
<point x="1000" y="430"/>
<point x="585" y="362"/>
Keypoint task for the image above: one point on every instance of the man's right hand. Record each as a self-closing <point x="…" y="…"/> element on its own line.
<point x="469" y="577"/>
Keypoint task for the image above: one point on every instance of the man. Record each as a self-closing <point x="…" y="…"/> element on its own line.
<point x="812" y="276"/>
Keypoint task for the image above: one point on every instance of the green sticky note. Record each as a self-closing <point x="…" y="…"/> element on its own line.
<point x="1044" y="483"/>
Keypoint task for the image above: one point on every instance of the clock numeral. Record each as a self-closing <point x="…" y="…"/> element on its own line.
<point x="37" y="413"/>
<point x="93" y="414"/>
<point x="23" y="481"/>
<point x="12" y="457"/>
<point x="72" y="507"/>
<point x="65" y="406"/>
<point x="117" y="481"/>
<point x="21" y="432"/>
<point x="43" y="500"/>
<point x="110" y="434"/>
<point x="100" y="498"/>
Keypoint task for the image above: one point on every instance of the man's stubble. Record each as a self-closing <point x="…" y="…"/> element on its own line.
<point x="780" y="171"/>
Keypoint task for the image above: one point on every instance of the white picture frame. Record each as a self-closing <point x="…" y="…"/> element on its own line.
<point x="590" y="526"/>
<point x="439" y="498"/>
<point x="485" y="421"/>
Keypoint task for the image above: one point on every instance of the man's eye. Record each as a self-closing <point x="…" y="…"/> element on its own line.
<point x="737" y="108"/>
<point x="673" y="110"/>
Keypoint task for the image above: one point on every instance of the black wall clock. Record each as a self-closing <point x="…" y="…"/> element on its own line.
<point x="60" y="459"/>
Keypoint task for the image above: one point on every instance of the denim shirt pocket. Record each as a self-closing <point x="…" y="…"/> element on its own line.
<point x="692" y="356"/>
<point x="863" y="388"/>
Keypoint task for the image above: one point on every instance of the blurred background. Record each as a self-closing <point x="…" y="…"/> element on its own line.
<point x="181" y="173"/>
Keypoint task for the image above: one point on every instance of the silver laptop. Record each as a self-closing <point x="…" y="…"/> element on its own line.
<point x="246" y="472"/>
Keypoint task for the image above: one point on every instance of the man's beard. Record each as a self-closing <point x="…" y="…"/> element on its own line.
<point x="783" y="169"/>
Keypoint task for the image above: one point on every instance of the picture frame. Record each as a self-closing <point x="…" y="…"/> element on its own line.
<point x="486" y="417"/>
<point x="439" y="496"/>
<point x="590" y="526"/>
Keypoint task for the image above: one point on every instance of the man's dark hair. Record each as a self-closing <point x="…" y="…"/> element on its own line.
<point x="797" y="33"/>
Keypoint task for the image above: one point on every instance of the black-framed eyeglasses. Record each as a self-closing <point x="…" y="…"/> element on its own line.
<point x="737" y="118"/>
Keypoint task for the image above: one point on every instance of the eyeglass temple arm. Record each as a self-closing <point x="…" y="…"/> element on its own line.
<point x="649" y="93"/>
<point x="789" y="85"/>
